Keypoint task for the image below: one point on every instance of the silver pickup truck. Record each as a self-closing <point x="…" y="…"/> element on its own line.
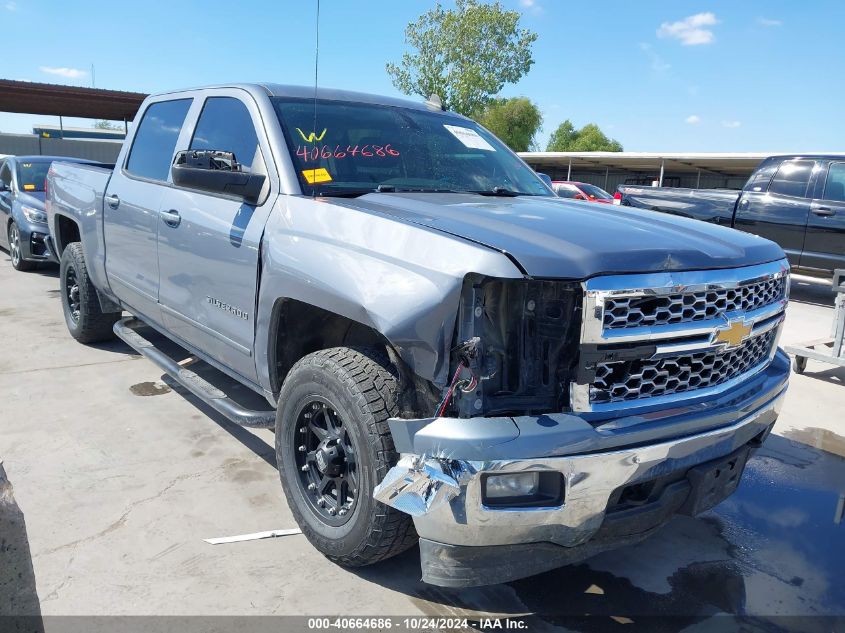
<point x="447" y="352"/>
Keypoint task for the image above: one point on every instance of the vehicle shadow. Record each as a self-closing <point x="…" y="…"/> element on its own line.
<point x="20" y="609"/>
<point x="251" y="439"/>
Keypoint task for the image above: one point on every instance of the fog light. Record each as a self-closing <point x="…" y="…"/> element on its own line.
<point x="516" y="485"/>
<point x="525" y="489"/>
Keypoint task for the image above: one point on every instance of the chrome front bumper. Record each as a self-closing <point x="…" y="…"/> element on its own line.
<point x="451" y="510"/>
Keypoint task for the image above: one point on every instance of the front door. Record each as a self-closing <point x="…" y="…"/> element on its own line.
<point x="824" y="246"/>
<point x="780" y="213"/>
<point x="131" y="205"/>
<point x="208" y="246"/>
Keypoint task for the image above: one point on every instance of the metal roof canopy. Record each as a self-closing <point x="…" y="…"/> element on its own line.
<point x="648" y="161"/>
<point x="71" y="101"/>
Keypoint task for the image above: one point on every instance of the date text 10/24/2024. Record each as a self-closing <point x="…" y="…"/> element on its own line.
<point x="418" y="623"/>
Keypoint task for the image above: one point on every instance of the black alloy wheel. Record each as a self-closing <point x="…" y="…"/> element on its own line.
<point x="325" y="457"/>
<point x="72" y="294"/>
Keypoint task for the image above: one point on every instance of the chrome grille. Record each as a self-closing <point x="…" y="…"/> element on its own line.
<point x="647" y="337"/>
<point x="665" y="309"/>
<point x="620" y="381"/>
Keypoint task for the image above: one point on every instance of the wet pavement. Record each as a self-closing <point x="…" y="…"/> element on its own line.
<point x="770" y="558"/>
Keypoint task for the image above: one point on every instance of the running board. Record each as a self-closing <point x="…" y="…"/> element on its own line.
<point x="201" y="388"/>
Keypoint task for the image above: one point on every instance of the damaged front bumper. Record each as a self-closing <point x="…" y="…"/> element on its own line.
<point x="621" y="479"/>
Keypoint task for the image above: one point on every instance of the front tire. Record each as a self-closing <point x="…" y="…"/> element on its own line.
<point x="333" y="446"/>
<point x="85" y="320"/>
<point x="18" y="262"/>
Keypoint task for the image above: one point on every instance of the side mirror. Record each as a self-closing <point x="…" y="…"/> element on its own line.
<point x="579" y="196"/>
<point x="217" y="171"/>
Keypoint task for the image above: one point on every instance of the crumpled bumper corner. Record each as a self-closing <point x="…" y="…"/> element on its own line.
<point x="416" y="486"/>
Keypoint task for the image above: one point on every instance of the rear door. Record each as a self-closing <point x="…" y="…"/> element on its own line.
<point x="824" y="246"/>
<point x="208" y="258"/>
<point x="132" y="200"/>
<point x="779" y="211"/>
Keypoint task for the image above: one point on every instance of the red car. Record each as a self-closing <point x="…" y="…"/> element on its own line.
<point x="581" y="191"/>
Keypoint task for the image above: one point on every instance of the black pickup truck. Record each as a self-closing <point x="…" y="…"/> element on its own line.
<point x="796" y="201"/>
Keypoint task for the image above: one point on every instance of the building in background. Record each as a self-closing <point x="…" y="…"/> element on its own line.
<point x="608" y="170"/>
<point x="56" y="131"/>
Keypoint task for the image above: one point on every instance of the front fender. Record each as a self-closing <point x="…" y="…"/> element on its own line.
<point x="401" y="280"/>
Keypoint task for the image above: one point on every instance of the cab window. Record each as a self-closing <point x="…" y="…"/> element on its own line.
<point x="155" y="141"/>
<point x="225" y="125"/>
<point x="792" y="178"/>
<point x="834" y="188"/>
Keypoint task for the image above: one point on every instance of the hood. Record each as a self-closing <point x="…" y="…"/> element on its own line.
<point x="555" y="238"/>
<point x="34" y="199"/>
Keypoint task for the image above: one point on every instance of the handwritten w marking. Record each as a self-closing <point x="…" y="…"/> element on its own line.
<point x="311" y="138"/>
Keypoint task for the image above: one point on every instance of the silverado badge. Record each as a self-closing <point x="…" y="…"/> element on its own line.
<point x="733" y="335"/>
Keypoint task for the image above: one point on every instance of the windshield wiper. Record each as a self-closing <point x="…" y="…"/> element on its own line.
<point x="395" y="189"/>
<point x="355" y="193"/>
<point x="501" y="192"/>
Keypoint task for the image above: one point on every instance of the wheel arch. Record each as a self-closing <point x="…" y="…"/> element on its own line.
<point x="298" y="329"/>
<point x="65" y="231"/>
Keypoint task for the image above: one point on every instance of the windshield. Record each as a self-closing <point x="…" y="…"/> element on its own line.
<point x="359" y="148"/>
<point x="31" y="176"/>
<point x="595" y="192"/>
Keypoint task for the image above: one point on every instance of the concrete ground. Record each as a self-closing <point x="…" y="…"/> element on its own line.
<point x="119" y="477"/>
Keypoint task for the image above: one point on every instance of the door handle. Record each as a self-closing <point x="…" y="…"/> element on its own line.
<point x="823" y="211"/>
<point x="171" y="218"/>
<point x="113" y="201"/>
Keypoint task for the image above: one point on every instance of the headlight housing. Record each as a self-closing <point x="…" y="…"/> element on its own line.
<point x="34" y="215"/>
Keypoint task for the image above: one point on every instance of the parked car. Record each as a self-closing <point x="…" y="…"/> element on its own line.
<point x="581" y="191"/>
<point x="24" y="221"/>
<point x="449" y="354"/>
<point x="796" y="201"/>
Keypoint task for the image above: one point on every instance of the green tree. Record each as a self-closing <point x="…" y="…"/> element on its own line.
<point x="589" y="138"/>
<point x="464" y="55"/>
<point x="104" y="124"/>
<point x="515" y="121"/>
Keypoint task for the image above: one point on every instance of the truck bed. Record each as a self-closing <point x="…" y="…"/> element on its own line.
<point x="710" y="205"/>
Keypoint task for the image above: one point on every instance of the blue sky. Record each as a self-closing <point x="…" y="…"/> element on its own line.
<point x="677" y="75"/>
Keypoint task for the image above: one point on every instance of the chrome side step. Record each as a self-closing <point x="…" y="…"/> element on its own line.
<point x="191" y="381"/>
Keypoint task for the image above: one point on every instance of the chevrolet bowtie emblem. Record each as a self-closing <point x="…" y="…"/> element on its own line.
<point x="734" y="334"/>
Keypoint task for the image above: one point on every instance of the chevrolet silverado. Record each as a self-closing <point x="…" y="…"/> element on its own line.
<point x="448" y="353"/>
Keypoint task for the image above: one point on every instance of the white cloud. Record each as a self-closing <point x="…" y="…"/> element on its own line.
<point x="11" y="6"/>
<point x="658" y="64"/>
<point x="693" y="119"/>
<point x="731" y="124"/>
<point x="532" y="5"/>
<point x="768" y="22"/>
<point x="690" y="31"/>
<point x="67" y="73"/>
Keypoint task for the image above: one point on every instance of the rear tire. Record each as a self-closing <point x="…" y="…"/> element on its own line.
<point x="18" y="262"/>
<point x="337" y="401"/>
<point x="85" y="319"/>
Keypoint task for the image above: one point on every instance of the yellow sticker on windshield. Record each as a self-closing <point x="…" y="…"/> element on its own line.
<point x="29" y="187"/>
<point x="314" y="176"/>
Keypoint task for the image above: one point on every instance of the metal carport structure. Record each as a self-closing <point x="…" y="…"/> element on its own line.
<point x="679" y="169"/>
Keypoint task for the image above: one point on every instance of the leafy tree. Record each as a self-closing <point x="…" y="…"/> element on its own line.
<point x="515" y="121"/>
<point x="465" y="55"/>
<point x="104" y="124"/>
<point x="589" y="138"/>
